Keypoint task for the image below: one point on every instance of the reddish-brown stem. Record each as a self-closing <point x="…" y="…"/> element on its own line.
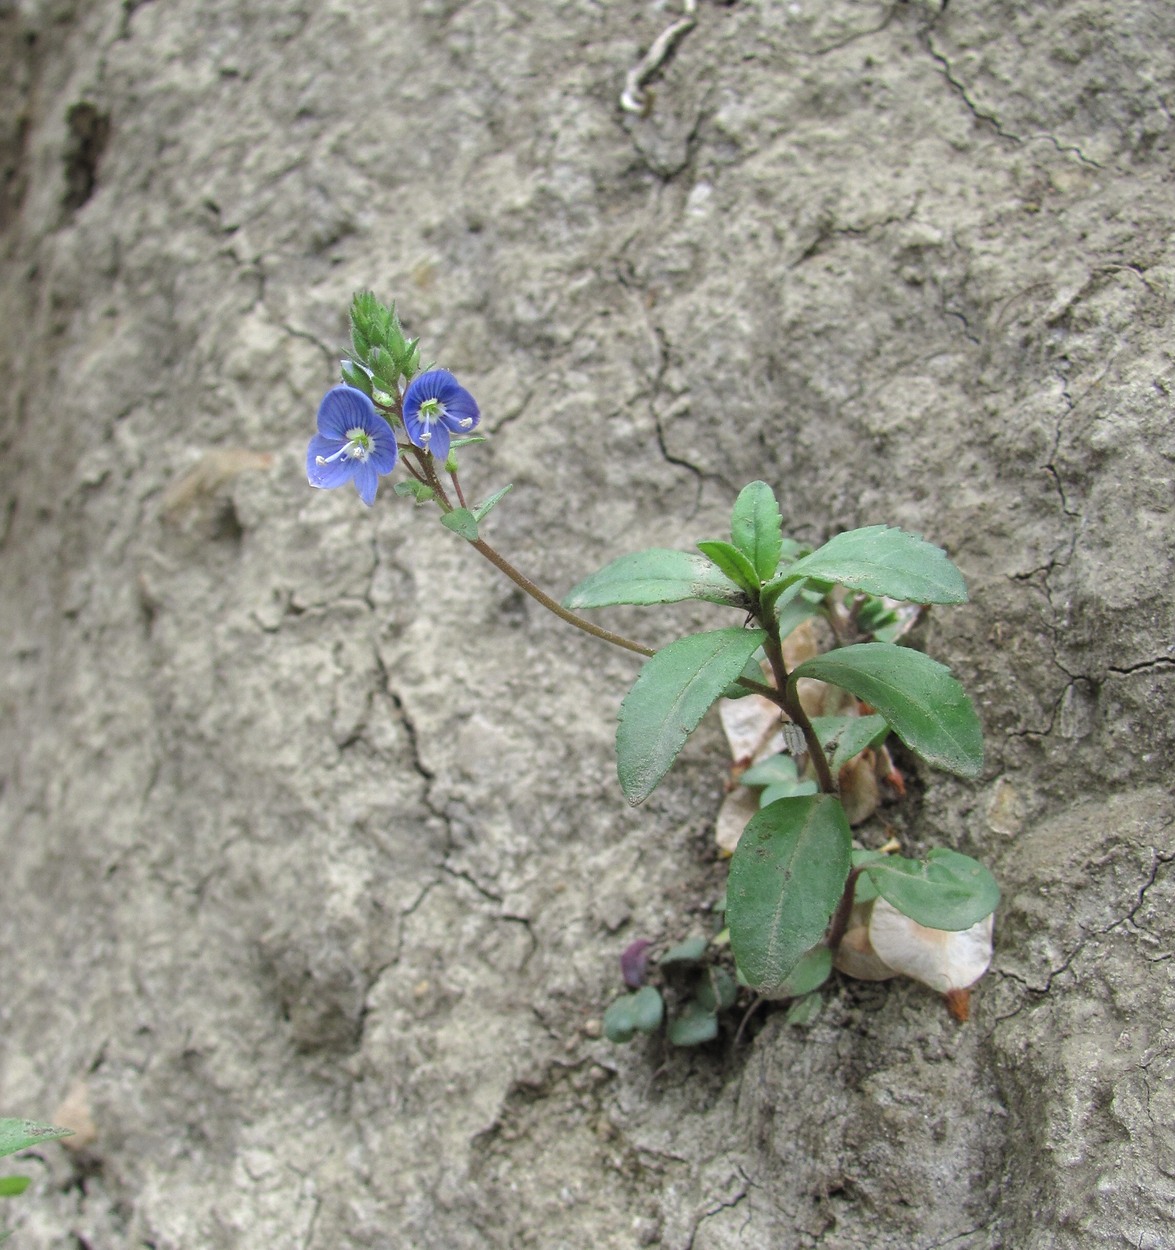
<point x="840" y="918"/>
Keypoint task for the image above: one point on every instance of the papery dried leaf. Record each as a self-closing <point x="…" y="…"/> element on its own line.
<point x="737" y="809"/>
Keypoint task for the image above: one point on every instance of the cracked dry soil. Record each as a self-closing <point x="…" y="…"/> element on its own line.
<point x="316" y="869"/>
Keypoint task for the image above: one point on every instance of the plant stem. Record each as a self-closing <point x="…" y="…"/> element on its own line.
<point x="790" y="702"/>
<point x="520" y="579"/>
<point x="840" y="918"/>
<point x="552" y="605"/>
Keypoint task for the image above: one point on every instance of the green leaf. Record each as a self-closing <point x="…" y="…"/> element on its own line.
<point x="481" y="509"/>
<point x="865" y="891"/>
<point x="949" y="891"/>
<point x="694" y="1026"/>
<point x="733" y="563"/>
<point x="804" y="1010"/>
<point x="814" y="968"/>
<point x="641" y="1012"/>
<point x="774" y="770"/>
<point x="385" y="367"/>
<point x="796" y="608"/>
<point x="756" y="528"/>
<point x="657" y="575"/>
<point x="923" y="704"/>
<point x="691" y="951"/>
<point x="21" y="1134"/>
<point x="670" y="696"/>
<point x="848" y="735"/>
<point x="752" y="671"/>
<point x="884" y="561"/>
<point x="419" y="491"/>
<point x="467" y="440"/>
<point x="461" y="521"/>
<point x="10" y="1186"/>
<point x="718" y="990"/>
<point x="356" y="377"/>
<point x="786" y="879"/>
<point x="787" y="790"/>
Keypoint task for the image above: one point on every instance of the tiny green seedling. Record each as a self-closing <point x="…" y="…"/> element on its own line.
<point x="798" y="888"/>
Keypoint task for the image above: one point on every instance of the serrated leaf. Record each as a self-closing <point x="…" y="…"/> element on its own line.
<point x="481" y="509"/>
<point x="732" y="562"/>
<point x="920" y="700"/>
<point x="786" y="879"/>
<point x="21" y="1134"/>
<point x="461" y="521"/>
<point x="693" y="1026"/>
<point x="948" y="891"/>
<point x="756" y="528"/>
<point x="883" y="561"/>
<point x="10" y="1186"/>
<point x="670" y="696"/>
<point x="658" y="575"/>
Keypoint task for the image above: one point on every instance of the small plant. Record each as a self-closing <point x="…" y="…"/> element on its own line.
<point x="20" y="1135"/>
<point x="800" y="895"/>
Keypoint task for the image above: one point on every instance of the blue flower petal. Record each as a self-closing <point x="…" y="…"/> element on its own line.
<point x="461" y="408"/>
<point x="439" y="443"/>
<point x="383" y="449"/>
<point x="327" y="476"/>
<point x="366" y="480"/>
<point x="461" y="412"/>
<point x="345" y="408"/>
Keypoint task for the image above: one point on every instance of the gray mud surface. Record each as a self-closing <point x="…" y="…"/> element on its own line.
<point x="315" y="867"/>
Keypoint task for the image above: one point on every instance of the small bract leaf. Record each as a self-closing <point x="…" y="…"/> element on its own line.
<point x="922" y="703"/>
<point x="419" y="491"/>
<point x="21" y="1134"/>
<point x="481" y="509"/>
<point x="691" y="951"/>
<point x="694" y="1026"/>
<point x="756" y="528"/>
<point x="884" y="561"/>
<point x="786" y="878"/>
<point x="948" y="891"/>
<point x="10" y="1186"/>
<point x="461" y="521"/>
<point x="732" y="562"/>
<point x="657" y="575"/>
<point x="670" y="696"/>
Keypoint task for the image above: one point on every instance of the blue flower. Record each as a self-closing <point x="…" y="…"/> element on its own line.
<point x="353" y="444"/>
<point x="436" y="405"/>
